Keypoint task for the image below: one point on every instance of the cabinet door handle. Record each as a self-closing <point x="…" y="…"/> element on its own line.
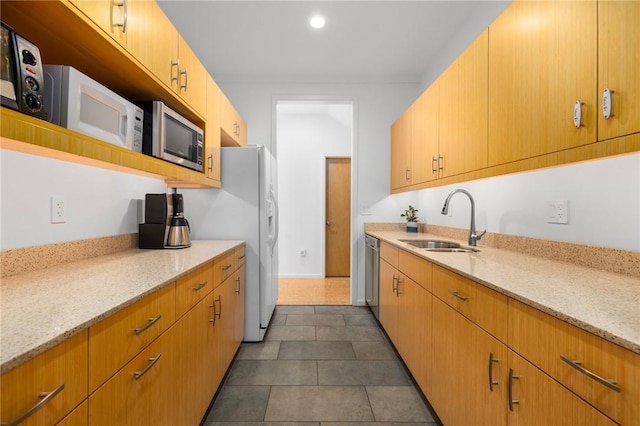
<point x="123" y="24"/>
<point x="398" y="292"/>
<point x="152" y="362"/>
<point x="407" y="174"/>
<point x="213" y="319"/>
<point x="440" y="163"/>
<point x="200" y="286"/>
<point x="186" y="79"/>
<point x="491" y="361"/>
<point x="219" y="311"/>
<point x="610" y="383"/>
<point x="607" y="103"/>
<point x="394" y="284"/>
<point x="152" y="321"/>
<point x="577" y="114"/>
<point x="210" y="161"/>
<point x="434" y="165"/>
<point x="458" y="295"/>
<point x="512" y="401"/>
<point x="175" y="64"/>
<point x="46" y="397"/>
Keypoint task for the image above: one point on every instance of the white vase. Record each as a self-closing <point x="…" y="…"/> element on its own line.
<point x="412" y="227"/>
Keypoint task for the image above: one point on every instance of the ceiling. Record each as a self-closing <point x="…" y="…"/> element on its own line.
<point x="370" y="41"/>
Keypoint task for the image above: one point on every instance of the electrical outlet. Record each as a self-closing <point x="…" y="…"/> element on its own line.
<point x="558" y="211"/>
<point x="58" y="210"/>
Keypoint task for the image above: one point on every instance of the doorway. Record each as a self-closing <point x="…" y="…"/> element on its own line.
<point x="338" y="217"/>
<point x="307" y="134"/>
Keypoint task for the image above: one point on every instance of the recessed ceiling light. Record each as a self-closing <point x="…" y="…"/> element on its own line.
<point x="317" y="22"/>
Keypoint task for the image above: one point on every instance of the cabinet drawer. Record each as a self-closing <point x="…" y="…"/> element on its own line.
<point x="543" y="339"/>
<point x="485" y="307"/>
<point x="191" y="288"/>
<point x="117" y="339"/>
<point x="143" y="392"/>
<point x="389" y="253"/>
<point x="223" y="267"/>
<point x="63" y="368"/>
<point x="78" y="417"/>
<point x="416" y="268"/>
<point x="240" y="256"/>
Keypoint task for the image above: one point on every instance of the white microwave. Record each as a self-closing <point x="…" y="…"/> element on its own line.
<point x="170" y="136"/>
<point x="83" y="105"/>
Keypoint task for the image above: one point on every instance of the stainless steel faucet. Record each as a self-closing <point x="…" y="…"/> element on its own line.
<point x="472" y="228"/>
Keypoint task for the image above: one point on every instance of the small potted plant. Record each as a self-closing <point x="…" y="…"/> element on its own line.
<point x="412" y="219"/>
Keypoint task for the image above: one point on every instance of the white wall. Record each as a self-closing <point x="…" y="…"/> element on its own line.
<point x="603" y="195"/>
<point x="303" y="143"/>
<point x="377" y="106"/>
<point x="99" y="202"/>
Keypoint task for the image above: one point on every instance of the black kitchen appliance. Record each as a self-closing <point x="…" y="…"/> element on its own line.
<point x="165" y="225"/>
<point x="22" y="85"/>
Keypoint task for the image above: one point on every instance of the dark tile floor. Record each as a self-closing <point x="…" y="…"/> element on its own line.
<point x="319" y="365"/>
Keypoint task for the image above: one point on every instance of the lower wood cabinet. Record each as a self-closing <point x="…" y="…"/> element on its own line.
<point x="156" y="362"/>
<point x="143" y="392"/>
<point x="57" y="379"/>
<point x="482" y="358"/>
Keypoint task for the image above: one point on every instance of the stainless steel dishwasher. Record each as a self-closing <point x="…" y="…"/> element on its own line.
<point x="371" y="268"/>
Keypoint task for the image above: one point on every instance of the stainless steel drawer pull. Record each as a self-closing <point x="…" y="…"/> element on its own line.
<point x="241" y="257"/>
<point x="238" y="285"/>
<point x="398" y="292"/>
<point x="199" y="286"/>
<point x="213" y="319"/>
<point x="219" y="311"/>
<point x="147" y="325"/>
<point x="458" y="295"/>
<point x="46" y="397"/>
<point x="491" y="361"/>
<point x="512" y="401"/>
<point x="611" y="384"/>
<point x="152" y="362"/>
<point x="225" y="267"/>
<point x="394" y="284"/>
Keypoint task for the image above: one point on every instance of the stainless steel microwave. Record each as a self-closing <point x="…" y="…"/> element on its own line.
<point x="171" y="137"/>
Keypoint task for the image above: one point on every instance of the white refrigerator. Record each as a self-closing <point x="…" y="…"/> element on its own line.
<point x="245" y="208"/>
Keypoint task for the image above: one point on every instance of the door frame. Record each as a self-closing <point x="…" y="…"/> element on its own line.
<point x="356" y="294"/>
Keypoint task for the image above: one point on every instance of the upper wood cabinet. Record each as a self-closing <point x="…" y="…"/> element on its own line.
<point x="212" y="133"/>
<point x="147" y="21"/>
<point x="401" y="135"/>
<point x="463" y="111"/>
<point x="112" y="17"/>
<point x="618" y="65"/>
<point x="233" y="128"/>
<point x="542" y="61"/>
<point x="424" y="140"/>
<point x="192" y="78"/>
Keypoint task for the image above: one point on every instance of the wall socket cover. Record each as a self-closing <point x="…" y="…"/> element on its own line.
<point x="58" y="210"/>
<point x="558" y="211"/>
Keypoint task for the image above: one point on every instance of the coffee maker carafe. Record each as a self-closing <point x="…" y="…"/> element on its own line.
<point x="179" y="229"/>
<point x="165" y="225"/>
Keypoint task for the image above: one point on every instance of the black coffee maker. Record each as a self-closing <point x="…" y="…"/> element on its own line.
<point x="165" y="225"/>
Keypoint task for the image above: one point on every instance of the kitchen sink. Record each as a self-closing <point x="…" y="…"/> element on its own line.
<point x="432" y="244"/>
<point x="439" y="245"/>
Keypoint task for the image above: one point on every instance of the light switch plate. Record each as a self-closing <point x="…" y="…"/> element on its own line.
<point x="558" y="211"/>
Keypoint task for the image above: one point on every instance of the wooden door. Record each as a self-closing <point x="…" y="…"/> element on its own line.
<point x="401" y="151"/>
<point x="463" y="111"/>
<point x="388" y="300"/>
<point x="338" y="217"/>
<point x="618" y="65"/>
<point x="146" y="21"/>
<point x="543" y="401"/>
<point x="424" y="143"/>
<point x="542" y="59"/>
<point x="108" y="15"/>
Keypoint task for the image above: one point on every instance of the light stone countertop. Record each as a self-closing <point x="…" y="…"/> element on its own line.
<point x="603" y="303"/>
<point x="42" y="308"/>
